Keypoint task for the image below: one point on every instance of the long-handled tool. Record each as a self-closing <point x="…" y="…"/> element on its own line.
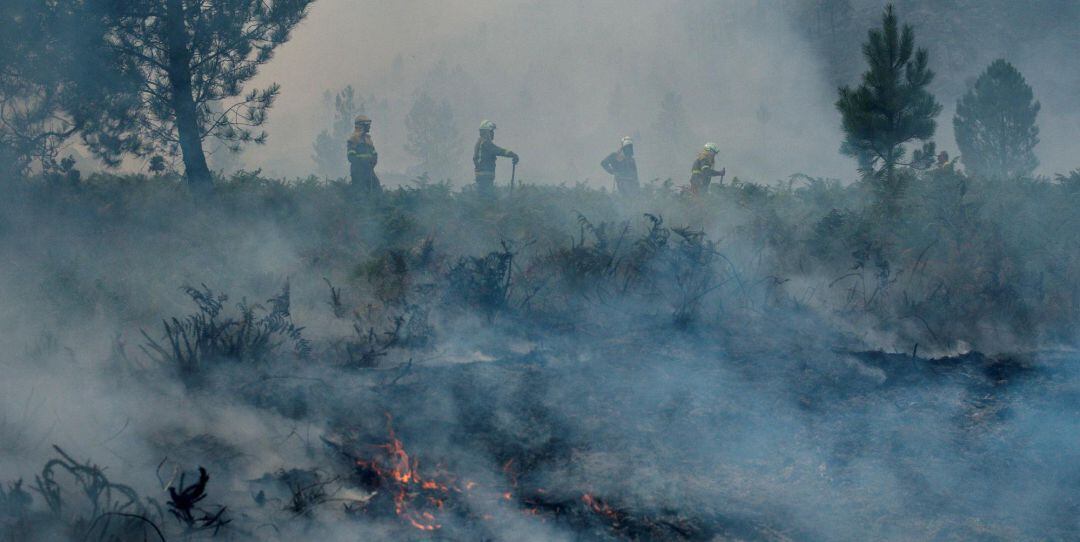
<point x="513" y="173"/>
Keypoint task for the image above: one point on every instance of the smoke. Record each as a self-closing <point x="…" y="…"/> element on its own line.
<point x="762" y="424"/>
<point x="759" y="424"/>
<point x="963" y="39"/>
<point x="565" y="81"/>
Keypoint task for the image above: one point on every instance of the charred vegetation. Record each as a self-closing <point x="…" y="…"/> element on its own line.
<point x="475" y="340"/>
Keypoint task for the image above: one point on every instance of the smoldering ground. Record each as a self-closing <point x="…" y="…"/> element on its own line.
<point x="578" y="399"/>
<point x="559" y="363"/>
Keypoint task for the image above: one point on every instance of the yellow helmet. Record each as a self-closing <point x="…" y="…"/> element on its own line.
<point x="362" y="119"/>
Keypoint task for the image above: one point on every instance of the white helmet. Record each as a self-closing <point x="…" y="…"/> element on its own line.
<point x="712" y="147"/>
<point x="626" y="141"/>
<point x="487" y="125"/>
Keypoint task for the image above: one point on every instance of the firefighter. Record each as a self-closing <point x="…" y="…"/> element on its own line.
<point x="362" y="157"/>
<point x="621" y="164"/>
<point x="942" y="159"/>
<point x="484" y="155"/>
<point x="704" y="170"/>
<point x="944" y="164"/>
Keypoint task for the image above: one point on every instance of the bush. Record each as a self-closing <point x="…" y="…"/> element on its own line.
<point x="205" y="338"/>
<point x="965" y="260"/>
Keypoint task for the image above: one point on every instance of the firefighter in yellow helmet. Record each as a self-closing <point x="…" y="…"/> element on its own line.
<point x="944" y="164"/>
<point x="362" y="157"/>
<point x="484" y="154"/>
<point x="705" y="169"/>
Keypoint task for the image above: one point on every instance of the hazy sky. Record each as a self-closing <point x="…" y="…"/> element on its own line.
<point x="565" y="79"/>
<point x="547" y="72"/>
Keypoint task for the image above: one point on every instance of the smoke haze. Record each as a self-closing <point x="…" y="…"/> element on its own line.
<point x="548" y="73"/>
<point x="752" y="365"/>
<point x="565" y="80"/>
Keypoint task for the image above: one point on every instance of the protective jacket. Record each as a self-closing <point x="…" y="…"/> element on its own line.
<point x="484" y="155"/>
<point x="702" y="173"/>
<point x="624" y="168"/>
<point x="362" y="160"/>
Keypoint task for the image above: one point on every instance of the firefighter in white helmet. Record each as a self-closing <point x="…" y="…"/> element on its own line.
<point x="623" y="167"/>
<point x="705" y="169"/>
<point x="484" y="154"/>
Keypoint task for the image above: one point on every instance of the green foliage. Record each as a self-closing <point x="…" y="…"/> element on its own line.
<point x="136" y="77"/>
<point x="995" y="124"/>
<point x="196" y="342"/>
<point x="892" y="106"/>
<point x="193" y="59"/>
<point x="982" y="261"/>
<point x="656" y="269"/>
<point x="690" y="272"/>
<point x="389" y="276"/>
<point x="379" y="333"/>
<point x="60" y="77"/>
<point x="591" y="263"/>
<point x="482" y="283"/>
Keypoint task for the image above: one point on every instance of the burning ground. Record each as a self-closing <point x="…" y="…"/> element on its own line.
<point x="561" y="365"/>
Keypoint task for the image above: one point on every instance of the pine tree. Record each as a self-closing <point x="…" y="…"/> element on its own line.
<point x="194" y="58"/>
<point x="891" y="107"/>
<point x="995" y="124"/>
<point x="432" y="136"/>
<point x="329" y="145"/>
<point x="60" y="78"/>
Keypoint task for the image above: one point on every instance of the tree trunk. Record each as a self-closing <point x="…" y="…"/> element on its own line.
<point x="183" y="101"/>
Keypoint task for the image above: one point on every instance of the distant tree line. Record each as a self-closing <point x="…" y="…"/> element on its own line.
<point x="158" y="79"/>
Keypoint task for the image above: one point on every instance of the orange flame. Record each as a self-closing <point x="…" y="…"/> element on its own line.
<point x="599" y="506"/>
<point x="404" y="472"/>
<point x="420" y="499"/>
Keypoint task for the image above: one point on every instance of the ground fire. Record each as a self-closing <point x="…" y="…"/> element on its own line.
<point x="425" y="499"/>
<point x="535" y="271"/>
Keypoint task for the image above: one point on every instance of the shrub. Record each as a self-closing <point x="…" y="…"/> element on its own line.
<point x="205" y="338"/>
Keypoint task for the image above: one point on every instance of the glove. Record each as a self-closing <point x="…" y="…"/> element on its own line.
<point x="723" y="171"/>
<point x="514" y="158"/>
